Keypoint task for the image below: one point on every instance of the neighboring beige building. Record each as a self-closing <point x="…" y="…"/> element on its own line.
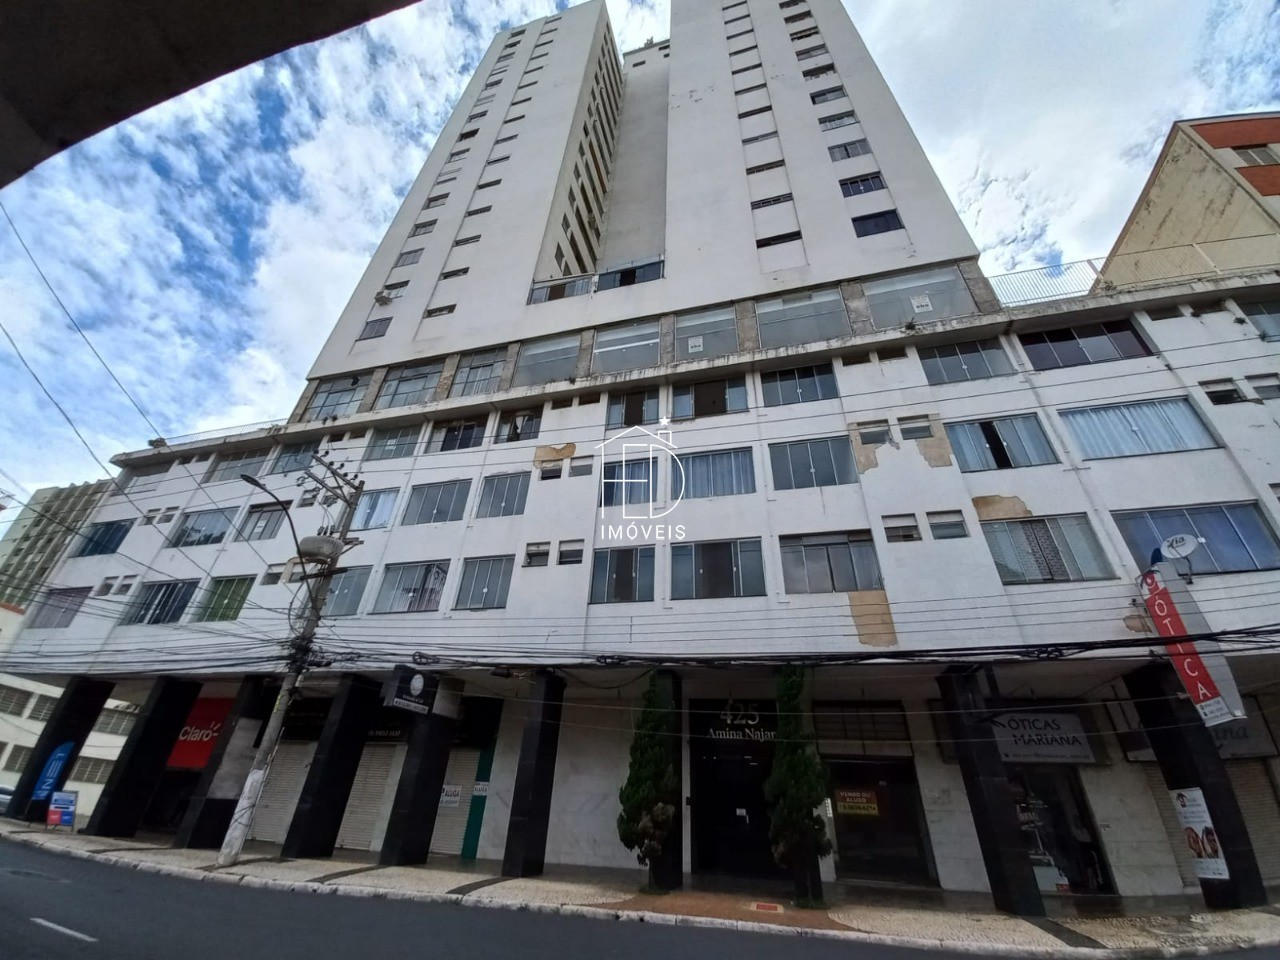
<point x="1211" y="204"/>
<point x="39" y="536"/>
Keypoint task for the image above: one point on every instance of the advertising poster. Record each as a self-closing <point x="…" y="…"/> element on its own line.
<point x="62" y="809"/>
<point x="858" y="803"/>
<point x="1199" y="834"/>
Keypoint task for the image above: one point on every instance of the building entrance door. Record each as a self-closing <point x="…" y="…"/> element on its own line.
<point x="880" y="828"/>
<point x="1065" y="848"/>
<point x="730" y="757"/>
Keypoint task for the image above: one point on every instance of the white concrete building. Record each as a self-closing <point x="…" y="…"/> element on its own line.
<point x="860" y="459"/>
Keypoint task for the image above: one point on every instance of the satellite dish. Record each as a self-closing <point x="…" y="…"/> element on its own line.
<point x="1178" y="546"/>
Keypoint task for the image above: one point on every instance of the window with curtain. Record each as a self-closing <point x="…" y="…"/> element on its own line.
<point x="408" y="385"/>
<point x="437" y="502"/>
<point x="622" y="575"/>
<point x="161" y="602"/>
<point x="503" y="495"/>
<point x="345" y="590"/>
<point x="823" y="462"/>
<point x="958" y="362"/>
<point x="830" y="562"/>
<point x="726" y="568"/>
<point x="798" y="385"/>
<point x="224" y="598"/>
<point x="1132" y="429"/>
<point x="201" y="528"/>
<point x="802" y="318"/>
<point x="374" y="509"/>
<point x="1000" y="444"/>
<point x="516" y="425"/>
<point x="389" y="443"/>
<point x="1236" y="537"/>
<point x="485" y="583"/>
<point x="1046" y="549"/>
<point x="722" y="473"/>
<point x="411" y="587"/>
<point x="628" y="481"/>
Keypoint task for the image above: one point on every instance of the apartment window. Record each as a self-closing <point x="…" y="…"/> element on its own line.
<point x="874" y="433"/>
<point x="707" y="333"/>
<point x="374" y="509"/>
<point x="411" y="587"/>
<point x="813" y="73"/>
<point x="1266" y="386"/>
<point x="19" y="757"/>
<point x="761" y="137"/>
<point x="492" y="83"/>
<point x="830" y="563"/>
<point x="437" y="502"/>
<point x="390" y="443"/>
<point x="1234" y="537"/>
<point x="485" y="582"/>
<point x="345" y="590"/>
<point x="570" y="553"/>
<point x="734" y="53"/>
<point x="503" y="495"/>
<point x="742" y="70"/>
<point x="1090" y="343"/>
<point x="762" y="167"/>
<point x="91" y="770"/>
<point x="836" y="120"/>
<point x="801" y="318"/>
<point x="393" y="291"/>
<point x="464" y="241"/>
<point x="708" y="398"/>
<point x="627" y="276"/>
<point x="823" y="462"/>
<point x="457" y="434"/>
<point x="546" y="361"/>
<point x="826" y="96"/>
<point x="1221" y="392"/>
<point x="720" y="473"/>
<point x="262" y="522"/>
<point x="337" y="397"/>
<point x="478" y="372"/>
<point x="58" y="608"/>
<point x="436" y="201"/>
<point x="770" y="201"/>
<point x="230" y="466"/>
<point x="13" y="700"/>
<point x="854" y="148"/>
<point x="726" y="568"/>
<point x="422" y="229"/>
<point x="1265" y="315"/>
<point x="798" y="385"/>
<point x="947" y="525"/>
<point x="408" y="385"/>
<point x="515" y="425"/>
<point x="808" y="53"/>
<point x="778" y="239"/>
<point x="478" y="210"/>
<point x="373" y="329"/>
<point x="958" y="362"/>
<point x="201" y="528"/>
<point x="581" y="466"/>
<point x="41" y="711"/>
<point x="454" y="274"/>
<point x="103" y="538"/>
<point x="628" y="346"/>
<point x="733" y="36"/>
<point x="488" y="184"/>
<point x="161" y="602"/>
<point x="1000" y="444"/>
<point x="408" y="258"/>
<point x="854" y="186"/>
<point x="754" y="113"/>
<point x="477" y="115"/>
<point x="1259" y="155"/>
<point x="915" y="428"/>
<point x="1133" y="429"/>
<point x="224" y="598"/>
<point x="805" y="34"/>
<point x="1044" y="550"/>
<point x="628" y="482"/>
<point x="874" y="223"/>
<point x="798" y="17"/>
<point x="537" y="554"/>
<point x="622" y="575"/>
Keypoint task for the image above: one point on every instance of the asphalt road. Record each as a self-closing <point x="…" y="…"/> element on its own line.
<point x="142" y="916"/>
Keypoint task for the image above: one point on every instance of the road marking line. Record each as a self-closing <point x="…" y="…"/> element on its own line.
<point x="70" y="933"/>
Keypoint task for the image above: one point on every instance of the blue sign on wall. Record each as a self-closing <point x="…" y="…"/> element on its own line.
<point x="52" y="771"/>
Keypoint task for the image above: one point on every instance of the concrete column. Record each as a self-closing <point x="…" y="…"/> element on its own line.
<point x="670" y="866"/>
<point x="64" y="734"/>
<point x="855" y="304"/>
<point x="323" y="800"/>
<point x="509" y="366"/>
<point x="744" y="318"/>
<point x="209" y="813"/>
<point x="447" y="373"/>
<point x="376" y="380"/>
<point x="526" y="848"/>
<point x="586" y="350"/>
<point x="995" y="814"/>
<point x="137" y="772"/>
<point x="413" y="812"/>
<point x="984" y="297"/>
<point x="1188" y="758"/>
<point x="304" y="401"/>
<point x="667" y="338"/>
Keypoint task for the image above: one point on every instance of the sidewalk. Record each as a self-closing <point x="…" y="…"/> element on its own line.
<point x="612" y="894"/>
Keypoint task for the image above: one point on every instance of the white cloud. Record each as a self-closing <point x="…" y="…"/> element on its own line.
<point x="208" y="245"/>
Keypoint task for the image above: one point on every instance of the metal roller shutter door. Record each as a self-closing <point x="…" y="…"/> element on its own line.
<point x="1257" y="801"/>
<point x="1169" y="817"/>
<point x="451" y="822"/>
<point x="368" y="792"/>
<point x="280" y="791"/>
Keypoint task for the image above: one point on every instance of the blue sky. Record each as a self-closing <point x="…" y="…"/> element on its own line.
<point x="208" y="245"/>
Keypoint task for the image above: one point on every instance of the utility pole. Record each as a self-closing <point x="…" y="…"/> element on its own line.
<point x="326" y="549"/>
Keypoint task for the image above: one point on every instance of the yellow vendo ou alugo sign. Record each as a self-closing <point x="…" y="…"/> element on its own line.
<point x="861" y="803"/>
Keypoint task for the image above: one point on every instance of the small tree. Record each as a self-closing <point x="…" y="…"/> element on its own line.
<point x="796" y="787"/>
<point x="651" y="793"/>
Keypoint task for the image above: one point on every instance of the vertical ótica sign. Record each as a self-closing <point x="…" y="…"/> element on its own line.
<point x="1183" y="655"/>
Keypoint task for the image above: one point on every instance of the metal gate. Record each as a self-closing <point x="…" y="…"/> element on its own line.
<point x="451" y="822"/>
<point x="368" y="794"/>
<point x="280" y="791"/>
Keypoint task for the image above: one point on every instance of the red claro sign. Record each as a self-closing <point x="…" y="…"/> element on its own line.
<point x="199" y="734"/>
<point x="1185" y="658"/>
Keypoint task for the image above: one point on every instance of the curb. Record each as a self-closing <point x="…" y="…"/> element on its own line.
<point x="643" y="916"/>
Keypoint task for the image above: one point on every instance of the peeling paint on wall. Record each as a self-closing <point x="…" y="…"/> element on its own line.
<point x="936" y="450"/>
<point x="1000" y="508"/>
<point x="1137" y="623"/>
<point x="551" y="453"/>
<point x="873" y="618"/>
<point x="864" y="455"/>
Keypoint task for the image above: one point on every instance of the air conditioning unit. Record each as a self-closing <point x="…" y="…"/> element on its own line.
<point x="381" y="299"/>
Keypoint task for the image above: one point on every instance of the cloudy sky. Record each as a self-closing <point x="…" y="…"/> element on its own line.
<point x="208" y="245"/>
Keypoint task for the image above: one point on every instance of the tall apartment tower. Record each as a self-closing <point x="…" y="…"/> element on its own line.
<point x="676" y="365"/>
<point x="39" y="534"/>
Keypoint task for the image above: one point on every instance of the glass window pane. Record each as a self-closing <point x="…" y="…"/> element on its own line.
<point x="750" y="568"/>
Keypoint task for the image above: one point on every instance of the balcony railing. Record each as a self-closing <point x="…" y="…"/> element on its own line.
<point x="1131" y="270"/>
<point x="222" y="432"/>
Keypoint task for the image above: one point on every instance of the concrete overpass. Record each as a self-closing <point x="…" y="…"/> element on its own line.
<point x="71" y="68"/>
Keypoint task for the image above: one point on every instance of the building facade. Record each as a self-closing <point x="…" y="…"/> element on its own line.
<point x="39" y="535"/>
<point x="680" y="361"/>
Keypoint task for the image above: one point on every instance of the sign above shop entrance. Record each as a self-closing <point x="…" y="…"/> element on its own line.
<point x="1042" y="737"/>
